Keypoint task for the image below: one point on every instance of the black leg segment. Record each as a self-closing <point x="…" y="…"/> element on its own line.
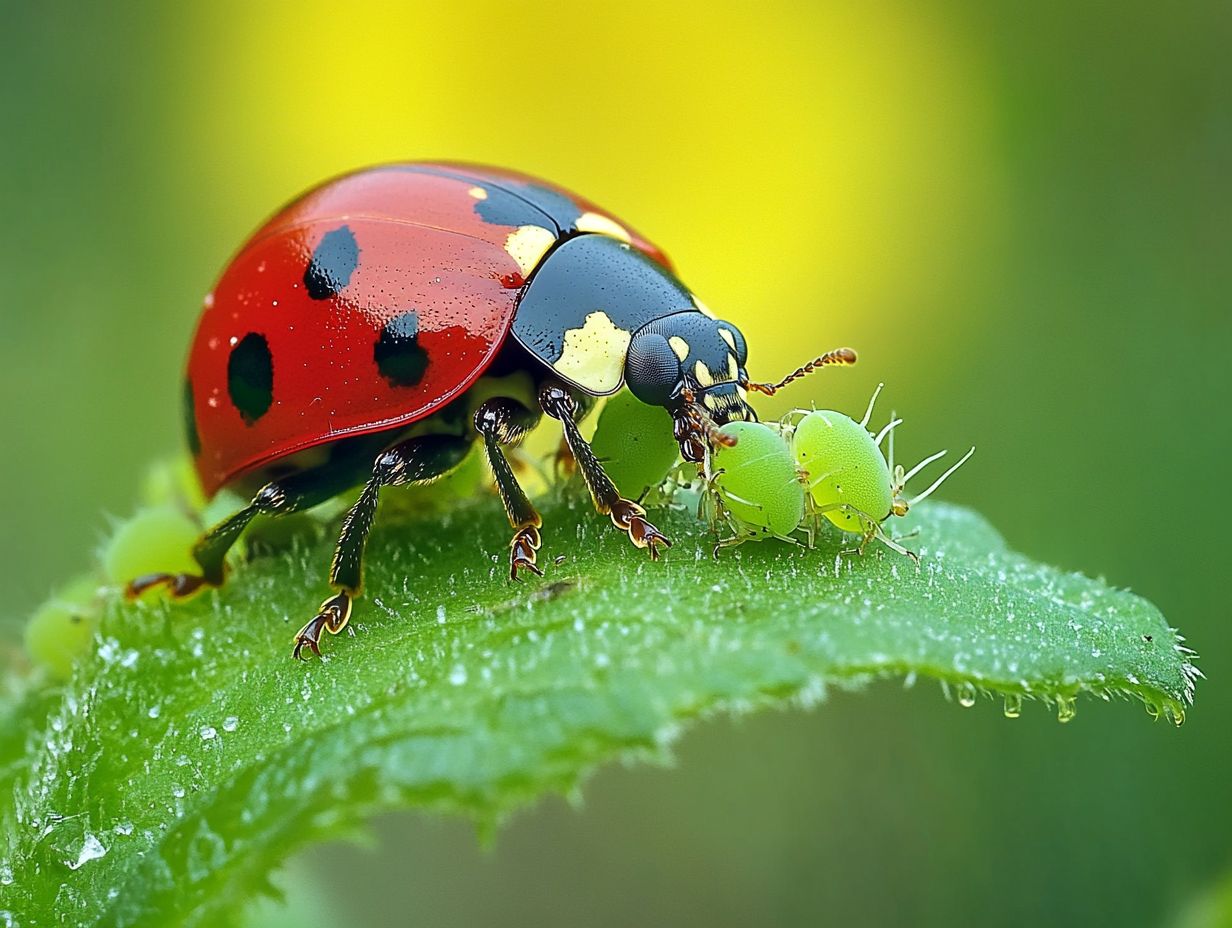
<point x="294" y="493"/>
<point x="626" y="515"/>
<point x="502" y="422"/>
<point x="415" y="460"/>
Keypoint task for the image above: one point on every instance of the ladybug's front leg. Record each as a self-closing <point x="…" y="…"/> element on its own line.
<point x="626" y="514"/>
<point x="502" y="422"/>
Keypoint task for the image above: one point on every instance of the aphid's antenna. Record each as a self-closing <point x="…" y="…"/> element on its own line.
<point x="888" y="430"/>
<point x="839" y="356"/>
<point x="868" y="413"/>
<point x="940" y="480"/>
<point x="893" y="416"/>
<point x="923" y="464"/>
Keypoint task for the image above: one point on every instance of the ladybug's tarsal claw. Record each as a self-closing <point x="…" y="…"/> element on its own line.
<point x="631" y="517"/>
<point x="523" y="551"/>
<point x="333" y="617"/>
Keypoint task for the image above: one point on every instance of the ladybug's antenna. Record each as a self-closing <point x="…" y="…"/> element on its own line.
<point x="840" y="356"/>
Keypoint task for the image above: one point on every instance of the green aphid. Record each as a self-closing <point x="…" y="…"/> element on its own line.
<point x="61" y="629"/>
<point x="755" y="484"/>
<point x="147" y="540"/>
<point x="634" y="441"/>
<point x="849" y="481"/>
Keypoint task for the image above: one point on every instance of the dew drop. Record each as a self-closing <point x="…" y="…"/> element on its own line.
<point x="155" y="712"/>
<point x="1067" y="708"/>
<point x="966" y="695"/>
<point x="1012" y="706"/>
<point x="457" y="676"/>
<point x="6" y="875"/>
<point x="230" y="723"/>
<point x="208" y="733"/>
<point x="91" y="849"/>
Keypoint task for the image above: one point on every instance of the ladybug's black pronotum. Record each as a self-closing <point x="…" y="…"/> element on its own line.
<point x="475" y="297"/>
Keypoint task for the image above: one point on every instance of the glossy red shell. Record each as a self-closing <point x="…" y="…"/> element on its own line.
<point x="423" y="247"/>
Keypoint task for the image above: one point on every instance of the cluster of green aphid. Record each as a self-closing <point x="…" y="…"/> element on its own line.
<point x="775" y="481"/>
<point x="781" y="480"/>
<point x="171" y="515"/>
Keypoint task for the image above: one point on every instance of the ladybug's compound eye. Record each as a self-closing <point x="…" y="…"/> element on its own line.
<point x="652" y="369"/>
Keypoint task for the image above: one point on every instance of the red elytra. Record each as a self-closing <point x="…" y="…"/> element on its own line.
<point x="431" y="238"/>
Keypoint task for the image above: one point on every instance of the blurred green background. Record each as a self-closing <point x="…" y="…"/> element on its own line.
<point x="1019" y="213"/>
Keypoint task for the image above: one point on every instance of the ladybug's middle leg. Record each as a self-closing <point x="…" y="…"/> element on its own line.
<point x="415" y="460"/>
<point x="558" y="403"/>
<point x="503" y="421"/>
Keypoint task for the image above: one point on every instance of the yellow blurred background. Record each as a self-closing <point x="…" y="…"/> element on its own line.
<point x="1017" y="213"/>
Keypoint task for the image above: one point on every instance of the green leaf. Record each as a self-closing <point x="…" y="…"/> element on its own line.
<point x="190" y="755"/>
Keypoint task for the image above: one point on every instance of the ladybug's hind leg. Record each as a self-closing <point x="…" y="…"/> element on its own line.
<point x="501" y="422"/>
<point x="558" y="403"/>
<point x="416" y="460"/>
<point x="290" y="494"/>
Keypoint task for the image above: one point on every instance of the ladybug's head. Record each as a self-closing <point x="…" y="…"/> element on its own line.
<point x="693" y="366"/>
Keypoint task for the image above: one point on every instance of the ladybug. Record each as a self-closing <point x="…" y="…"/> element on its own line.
<point x="377" y="326"/>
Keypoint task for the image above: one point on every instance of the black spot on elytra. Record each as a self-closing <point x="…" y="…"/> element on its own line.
<point x="398" y="355"/>
<point x="509" y="202"/>
<point x="562" y="210"/>
<point x="190" y="420"/>
<point x="250" y="377"/>
<point x="332" y="264"/>
<point x="502" y="208"/>
<point x="513" y="204"/>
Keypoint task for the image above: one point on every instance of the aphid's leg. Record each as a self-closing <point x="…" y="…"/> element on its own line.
<point x="872" y="529"/>
<point x="293" y="493"/>
<point x="719" y="513"/>
<point x="734" y="540"/>
<point x="893" y="545"/>
<point x="709" y="504"/>
<point x="504" y="421"/>
<point x="416" y="460"/>
<point x="626" y="514"/>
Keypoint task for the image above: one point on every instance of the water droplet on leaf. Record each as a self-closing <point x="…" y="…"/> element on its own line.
<point x="1013" y="705"/>
<point x="91" y="849"/>
<point x="966" y="695"/>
